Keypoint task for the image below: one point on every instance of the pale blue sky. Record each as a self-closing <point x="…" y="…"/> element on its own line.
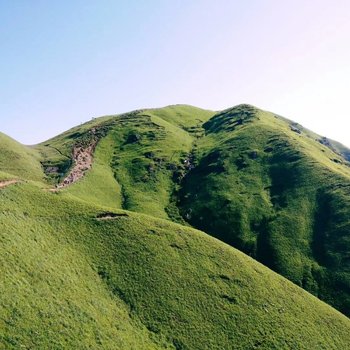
<point x="64" y="62"/>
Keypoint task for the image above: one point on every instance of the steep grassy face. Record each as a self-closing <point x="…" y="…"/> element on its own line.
<point x="18" y="160"/>
<point x="88" y="277"/>
<point x="264" y="186"/>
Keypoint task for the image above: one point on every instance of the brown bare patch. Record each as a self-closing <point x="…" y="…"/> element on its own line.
<point x="82" y="157"/>
<point x="6" y="183"/>
<point x="109" y="215"/>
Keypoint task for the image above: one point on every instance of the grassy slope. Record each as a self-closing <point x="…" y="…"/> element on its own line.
<point x="340" y="148"/>
<point x="18" y="160"/>
<point x="142" y="150"/>
<point x="99" y="185"/>
<point x="57" y="152"/>
<point x="140" y="282"/>
<point x="51" y="297"/>
<point x="335" y="146"/>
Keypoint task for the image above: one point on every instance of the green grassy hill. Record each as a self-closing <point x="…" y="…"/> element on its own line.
<point x="255" y="180"/>
<point x="81" y="276"/>
<point x="98" y="263"/>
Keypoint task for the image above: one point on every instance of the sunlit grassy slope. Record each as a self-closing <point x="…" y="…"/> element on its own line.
<point x="71" y="279"/>
<point x="144" y="150"/>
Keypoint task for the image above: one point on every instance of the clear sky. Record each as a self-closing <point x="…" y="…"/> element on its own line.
<point x="64" y="62"/>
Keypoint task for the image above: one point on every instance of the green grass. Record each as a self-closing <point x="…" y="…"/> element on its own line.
<point x="144" y="167"/>
<point x="99" y="185"/>
<point x="19" y="160"/>
<point x="278" y="196"/>
<point x="259" y="182"/>
<point x="141" y="282"/>
<point x="51" y="297"/>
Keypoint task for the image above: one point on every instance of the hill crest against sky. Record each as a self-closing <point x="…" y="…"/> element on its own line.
<point x="290" y="57"/>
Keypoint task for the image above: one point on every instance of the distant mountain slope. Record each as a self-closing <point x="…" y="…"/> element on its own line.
<point x="337" y="147"/>
<point x="77" y="275"/>
<point x="18" y="160"/>
<point x="260" y="182"/>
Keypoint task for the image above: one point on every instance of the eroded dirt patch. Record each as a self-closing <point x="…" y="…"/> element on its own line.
<point x="82" y="158"/>
<point x="109" y="215"/>
<point x="6" y="183"/>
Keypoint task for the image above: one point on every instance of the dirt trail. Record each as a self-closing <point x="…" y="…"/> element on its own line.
<point x="6" y="183"/>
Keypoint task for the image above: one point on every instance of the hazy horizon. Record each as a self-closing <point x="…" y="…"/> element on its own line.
<point x="64" y="63"/>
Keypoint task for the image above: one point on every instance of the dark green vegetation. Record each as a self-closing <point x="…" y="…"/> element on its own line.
<point x="84" y="267"/>
<point x="277" y="194"/>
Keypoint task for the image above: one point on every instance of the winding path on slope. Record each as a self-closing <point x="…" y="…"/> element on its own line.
<point x="6" y="183"/>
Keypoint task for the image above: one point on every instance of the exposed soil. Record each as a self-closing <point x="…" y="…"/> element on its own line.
<point x="82" y="157"/>
<point x="109" y="215"/>
<point x="6" y="183"/>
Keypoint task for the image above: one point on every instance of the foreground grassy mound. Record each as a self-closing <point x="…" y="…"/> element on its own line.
<point x="86" y="276"/>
